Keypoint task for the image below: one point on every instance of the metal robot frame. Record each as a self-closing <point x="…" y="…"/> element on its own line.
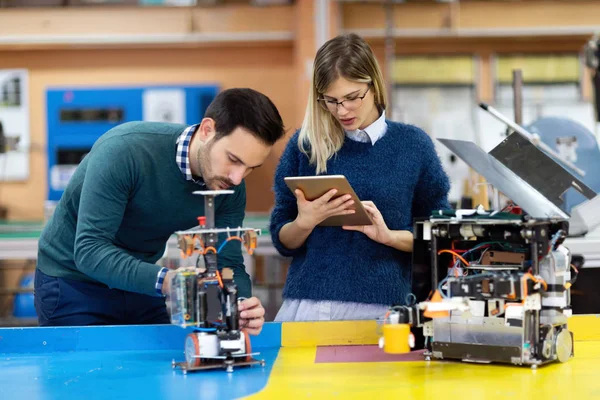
<point x="206" y="299"/>
<point x="494" y="285"/>
<point x="500" y="290"/>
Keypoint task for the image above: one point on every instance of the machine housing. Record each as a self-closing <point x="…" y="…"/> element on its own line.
<point x="494" y="285"/>
<point x="509" y="303"/>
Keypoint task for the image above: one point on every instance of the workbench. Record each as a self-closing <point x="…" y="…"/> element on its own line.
<point x="19" y="241"/>
<point x="302" y="360"/>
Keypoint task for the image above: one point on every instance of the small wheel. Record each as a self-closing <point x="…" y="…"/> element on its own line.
<point x="563" y="345"/>
<point x="248" y="345"/>
<point x="192" y="350"/>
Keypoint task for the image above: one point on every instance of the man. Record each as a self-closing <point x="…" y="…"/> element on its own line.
<point x="97" y="254"/>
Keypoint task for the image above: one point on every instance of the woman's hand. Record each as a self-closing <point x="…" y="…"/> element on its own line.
<point x="312" y="213"/>
<point x="379" y="231"/>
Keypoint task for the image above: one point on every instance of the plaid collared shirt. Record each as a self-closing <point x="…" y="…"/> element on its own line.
<point x="183" y="162"/>
<point x="183" y="153"/>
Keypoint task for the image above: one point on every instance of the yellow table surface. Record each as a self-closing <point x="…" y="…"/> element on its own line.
<point x="296" y="375"/>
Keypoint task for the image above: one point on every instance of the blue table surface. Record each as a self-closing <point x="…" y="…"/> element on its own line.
<point x="120" y="362"/>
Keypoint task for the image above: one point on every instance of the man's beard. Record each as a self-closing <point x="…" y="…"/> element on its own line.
<point x="212" y="182"/>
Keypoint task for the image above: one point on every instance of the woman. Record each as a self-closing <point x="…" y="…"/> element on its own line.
<point x="352" y="272"/>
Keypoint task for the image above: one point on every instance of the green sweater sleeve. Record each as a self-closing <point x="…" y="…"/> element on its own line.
<point x="230" y="214"/>
<point x="109" y="181"/>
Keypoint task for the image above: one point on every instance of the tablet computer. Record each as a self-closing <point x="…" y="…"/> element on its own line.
<point x="314" y="187"/>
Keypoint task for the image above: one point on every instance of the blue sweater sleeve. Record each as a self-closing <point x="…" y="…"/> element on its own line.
<point x="431" y="192"/>
<point x="110" y="178"/>
<point x="230" y="214"/>
<point x="286" y="208"/>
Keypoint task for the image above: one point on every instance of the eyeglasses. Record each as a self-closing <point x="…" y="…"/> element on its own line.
<point x="349" y="104"/>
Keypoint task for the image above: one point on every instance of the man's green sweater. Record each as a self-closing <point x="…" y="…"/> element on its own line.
<point x="124" y="201"/>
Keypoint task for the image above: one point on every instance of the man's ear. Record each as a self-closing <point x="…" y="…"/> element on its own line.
<point x="206" y="130"/>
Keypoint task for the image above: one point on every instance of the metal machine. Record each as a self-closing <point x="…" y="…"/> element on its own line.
<point x="494" y="285"/>
<point x="206" y="299"/>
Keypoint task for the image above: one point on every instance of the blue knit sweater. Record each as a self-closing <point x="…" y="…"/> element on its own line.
<point x="403" y="176"/>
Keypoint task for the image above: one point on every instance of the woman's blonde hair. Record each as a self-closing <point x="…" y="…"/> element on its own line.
<point x="348" y="56"/>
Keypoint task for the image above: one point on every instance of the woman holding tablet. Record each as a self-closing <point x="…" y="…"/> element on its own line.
<point x="352" y="272"/>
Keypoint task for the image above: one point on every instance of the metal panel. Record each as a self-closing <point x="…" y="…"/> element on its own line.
<point x="505" y="180"/>
<point x="477" y="352"/>
<point x="535" y="167"/>
<point x="472" y="333"/>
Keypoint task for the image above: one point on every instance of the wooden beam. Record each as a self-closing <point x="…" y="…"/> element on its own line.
<point x="477" y="18"/>
<point x="481" y="45"/>
<point x="139" y="27"/>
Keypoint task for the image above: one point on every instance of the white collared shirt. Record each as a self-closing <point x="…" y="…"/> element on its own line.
<point x="375" y="131"/>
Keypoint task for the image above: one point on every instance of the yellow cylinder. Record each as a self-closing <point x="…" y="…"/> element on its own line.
<point x="395" y="338"/>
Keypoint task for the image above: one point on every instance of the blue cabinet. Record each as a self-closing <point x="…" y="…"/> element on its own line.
<point x="77" y="117"/>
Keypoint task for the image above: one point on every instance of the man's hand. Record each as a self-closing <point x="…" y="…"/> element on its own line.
<point x="251" y="315"/>
<point x="166" y="287"/>
<point x="251" y="310"/>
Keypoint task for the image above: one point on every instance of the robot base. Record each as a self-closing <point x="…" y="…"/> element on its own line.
<point x="555" y="346"/>
<point x="227" y="364"/>
<point x="205" y="351"/>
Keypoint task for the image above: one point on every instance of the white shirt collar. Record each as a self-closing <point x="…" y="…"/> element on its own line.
<point x="375" y="131"/>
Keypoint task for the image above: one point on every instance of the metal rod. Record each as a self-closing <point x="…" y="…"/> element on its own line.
<point x="209" y="212"/>
<point x="535" y="265"/>
<point x="322" y="16"/>
<point x="434" y="263"/>
<point x="518" y="96"/>
<point x="533" y="138"/>
<point x="18" y="321"/>
<point x="14" y="290"/>
<point x="390" y="52"/>
<point x="535" y="316"/>
<point x="495" y="198"/>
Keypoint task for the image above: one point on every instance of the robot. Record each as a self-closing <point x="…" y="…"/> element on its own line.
<point x="206" y="299"/>
<point x="493" y="286"/>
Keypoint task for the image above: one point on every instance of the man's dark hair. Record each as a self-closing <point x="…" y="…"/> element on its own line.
<point x="248" y="109"/>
